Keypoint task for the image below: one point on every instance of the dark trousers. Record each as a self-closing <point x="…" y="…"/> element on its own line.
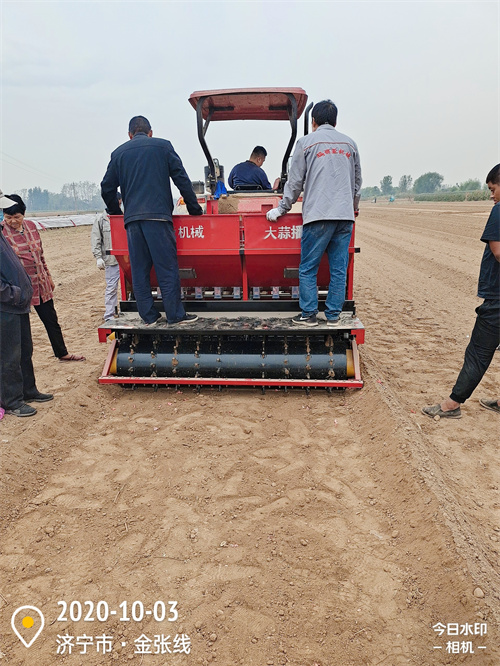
<point x="47" y="313"/>
<point x="484" y="340"/>
<point x="152" y="243"/>
<point x="17" y="378"/>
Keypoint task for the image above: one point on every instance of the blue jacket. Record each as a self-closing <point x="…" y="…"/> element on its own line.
<point x="142" y="169"/>
<point x="248" y="173"/>
<point x="15" y="284"/>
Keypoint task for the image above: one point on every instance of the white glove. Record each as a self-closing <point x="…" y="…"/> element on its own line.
<point x="100" y="264"/>
<point x="273" y="214"/>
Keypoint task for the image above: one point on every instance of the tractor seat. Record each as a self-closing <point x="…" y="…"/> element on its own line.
<point x="249" y="188"/>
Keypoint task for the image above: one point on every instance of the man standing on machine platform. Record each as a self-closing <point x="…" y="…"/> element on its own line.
<point x="326" y="166"/>
<point x="142" y="168"/>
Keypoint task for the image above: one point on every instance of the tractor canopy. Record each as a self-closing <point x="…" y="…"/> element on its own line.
<point x="247" y="104"/>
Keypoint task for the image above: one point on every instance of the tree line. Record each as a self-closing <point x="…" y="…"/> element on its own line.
<point x="427" y="183"/>
<point x="83" y="195"/>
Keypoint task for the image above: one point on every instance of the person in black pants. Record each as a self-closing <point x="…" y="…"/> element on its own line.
<point x="142" y="168"/>
<point x="25" y="239"/>
<point x="17" y="377"/>
<point x="485" y="337"/>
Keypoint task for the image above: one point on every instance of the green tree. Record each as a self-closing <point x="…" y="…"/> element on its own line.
<point x="386" y="185"/>
<point x="370" y="192"/>
<point x="37" y="199"/>
<point x="405" y="183"/>
<point x="428" y="182"/>
<point x="471" y="184"/>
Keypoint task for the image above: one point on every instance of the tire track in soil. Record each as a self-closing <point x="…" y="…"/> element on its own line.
<point x="458" y="460"/>
<point x="295" y="530"/>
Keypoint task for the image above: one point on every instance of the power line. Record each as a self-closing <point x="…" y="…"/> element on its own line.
<point x="29" y="168"/>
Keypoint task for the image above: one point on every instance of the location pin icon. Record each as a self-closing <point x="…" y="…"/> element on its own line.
<point x="29" y="625"/>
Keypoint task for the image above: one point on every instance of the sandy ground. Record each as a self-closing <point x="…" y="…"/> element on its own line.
<point x="331" y="530"/>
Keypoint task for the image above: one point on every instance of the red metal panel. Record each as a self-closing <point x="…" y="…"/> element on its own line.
<point x="359" y="335"/>
<point x="214" y="270"/>
<point x="281" y="239"/>
<point x="248" y="103"/>
<point x="205" y="233"/>
<point x="103" y="333"/>
<point x="210" y="244"/>
<point x="230" y="250"/>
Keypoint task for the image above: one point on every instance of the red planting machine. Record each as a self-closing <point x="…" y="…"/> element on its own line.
<point x="239" y="273"/>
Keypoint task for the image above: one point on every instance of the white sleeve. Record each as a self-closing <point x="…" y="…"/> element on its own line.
<point x="96" y="237"/>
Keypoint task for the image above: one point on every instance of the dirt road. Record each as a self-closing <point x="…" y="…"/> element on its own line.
<point x="331" y="530"/>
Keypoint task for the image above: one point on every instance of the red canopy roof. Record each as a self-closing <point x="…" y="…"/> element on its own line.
<point x="249" y="103"/>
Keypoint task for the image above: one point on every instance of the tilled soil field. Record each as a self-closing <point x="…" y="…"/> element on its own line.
<point x="322" y="530"/>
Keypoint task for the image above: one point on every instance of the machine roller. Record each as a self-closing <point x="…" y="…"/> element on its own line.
<point x="229" y="357"/>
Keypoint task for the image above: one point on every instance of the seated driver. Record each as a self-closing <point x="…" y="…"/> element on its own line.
<point x="250" y="173"/>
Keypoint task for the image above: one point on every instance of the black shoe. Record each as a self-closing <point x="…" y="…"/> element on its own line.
<point x="187" y="319"/>
<point x="155" y="323"/>
<point x="305" y="321"/>
<point x="23" y="410"/>
<point x="435" y="410"/>
<point x="41" y="397"/>
<point x="333" y="322"/>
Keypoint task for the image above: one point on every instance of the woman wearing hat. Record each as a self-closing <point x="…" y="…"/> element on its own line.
<point x="17" y="377"/>
<point x="25" y="239"/>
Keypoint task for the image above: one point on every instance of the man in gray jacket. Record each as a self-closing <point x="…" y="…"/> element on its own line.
<point x="326" y="167"/>
<point x="100" y="239"/>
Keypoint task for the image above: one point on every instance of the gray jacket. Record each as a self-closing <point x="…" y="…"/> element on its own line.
<point x="100" y="239"/>
<point x="326" y="167"/>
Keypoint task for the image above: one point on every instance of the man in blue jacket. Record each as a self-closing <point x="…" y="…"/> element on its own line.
<point x="250" y="174"/>
<point x="142" y="168"/>
<point x="17" y="378"/>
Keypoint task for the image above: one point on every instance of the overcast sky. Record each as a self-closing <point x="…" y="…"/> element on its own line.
<point x="417" y="83"/>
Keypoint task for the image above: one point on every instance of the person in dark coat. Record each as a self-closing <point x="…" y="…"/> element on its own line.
<point x="142" y="169"/>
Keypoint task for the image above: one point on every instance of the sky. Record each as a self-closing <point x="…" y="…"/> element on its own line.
<point x="417" y="83"/>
